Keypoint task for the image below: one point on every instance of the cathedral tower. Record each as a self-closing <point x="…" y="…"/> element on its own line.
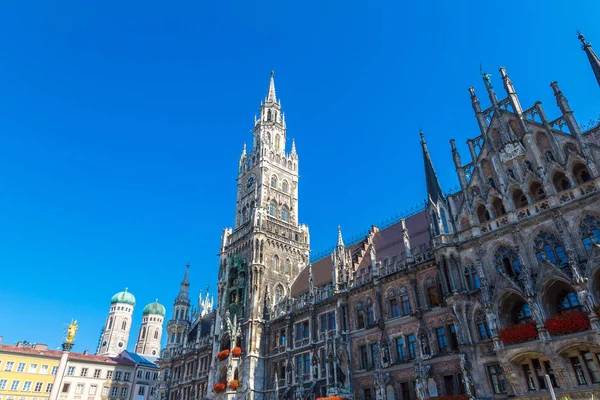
<point x="116" y="331"/>
<point x="267" y="248"/>
<point x="148" y="342"/>
<point x="179" y="324"/>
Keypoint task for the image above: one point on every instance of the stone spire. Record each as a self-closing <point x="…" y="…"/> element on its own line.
<point x="183" y="295"/>
<point x="340" y="241"/>
<point x="434" y="190"/>
<point x="271" y="95"/>
<point x="592" y="57"/>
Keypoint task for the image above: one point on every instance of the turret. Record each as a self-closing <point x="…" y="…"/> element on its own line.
<point x="118" y="324"/>
<point x="481" y="121"/>
<point x="462" y="177"/>
<point x="178" y="325"/>
<point x="510" y="91"/>
<point x="148" y="342"/>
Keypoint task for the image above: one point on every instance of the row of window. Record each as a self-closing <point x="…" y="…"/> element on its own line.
<point x="114" y="391"/>
<point x="118" y="375"/>
<point x="285" y="211"/>
<point x="109" y="324"/>
<point x="27" y="385"/>
<point x="33" y="368"/>
<point x="121" y="308"/>
<point x="285" y="187"/>
<point x="452" y="385"/>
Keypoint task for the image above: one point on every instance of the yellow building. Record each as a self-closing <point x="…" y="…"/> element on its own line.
<point x="27" y="371"/>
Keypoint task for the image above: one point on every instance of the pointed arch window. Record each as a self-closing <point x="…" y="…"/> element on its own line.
<point x="436" y="225"/>
<point x="273" y="209"/>
<point x="143" y="332"/>
<point x="393" y="306"/>
<point x="507" y="261"/>
<point x="274" y="182"/>
<point x="589" y="230"/>
<point x="471" y="277"/>
<point x="155" y="334"/>
<point x="110" y="321"/>
<point x="482" y="214"/>
<point x="444" y="221"/>
<point x="288" y="266"/>
<point x="569" y="303"/>
<point x="370" y="312"/>
<point x="482" y="326"/>
<point x="269" y="115"/>
<point x="433" y="295"/>
<point x="581" y="174"/>
<point x="284" y="186"/>
<point x="275" y="263"/>
<point x="560" y="181"/>
<point x="549" y="247"/>
<point x="124" y="325"/>
<point x="285" y="214"/>
<point x="524" y="314"/>
<point x="361" y="321"/>
<point x="277" y="142"/>
<point x="537" y="191"/>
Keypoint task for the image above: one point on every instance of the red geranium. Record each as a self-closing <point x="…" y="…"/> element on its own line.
<point x="518" y="333"/>
<point x="219" y="387"/>
<point x="223" y="354"/>
<point x="234" y="384"/>
<point x="568" y="322"/>
<point x="237" y="351"/>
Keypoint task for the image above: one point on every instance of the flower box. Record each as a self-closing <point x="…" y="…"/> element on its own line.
<point x="568" y="322"/>
<point x="331" y="398"/>
<point x="234" y="384"/>
<point x="223" y="354"/>
<point x="219" y="387"/>
<point x="518" y="333"/>
<point x="237" y="351"/>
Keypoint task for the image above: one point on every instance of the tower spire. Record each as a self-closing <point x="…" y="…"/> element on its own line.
<point x="433" y="185"/>
<point x="271" y="95"/>
<point x="592" y="57"/>
<point x="185" y="285"/>
<point x="340" y="242"/>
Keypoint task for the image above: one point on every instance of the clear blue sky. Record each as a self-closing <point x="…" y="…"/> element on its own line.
<point x="121" y="124"/>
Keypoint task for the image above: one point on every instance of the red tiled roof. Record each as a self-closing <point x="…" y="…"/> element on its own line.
<point x="9" y="348"/>
<point x="99" y="359"/>
<point x="388" y="243"/>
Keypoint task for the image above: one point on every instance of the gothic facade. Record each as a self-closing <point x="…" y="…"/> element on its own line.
<point x="489" y="292"/>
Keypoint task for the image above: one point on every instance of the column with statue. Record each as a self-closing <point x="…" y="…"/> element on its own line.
<point x="62" y="366"/>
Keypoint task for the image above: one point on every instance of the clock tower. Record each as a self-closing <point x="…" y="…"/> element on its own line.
<point x="264" y="252"/>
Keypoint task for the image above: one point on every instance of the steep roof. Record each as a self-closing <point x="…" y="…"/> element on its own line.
<point x="388" y="243"/>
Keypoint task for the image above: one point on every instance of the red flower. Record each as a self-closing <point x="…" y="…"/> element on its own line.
<point x="234" y="384"/>
<point x="223" y="354"/>
<point x="219" y="387"/>
<point x="518" y="333"/>
<point x="237" y="351"/>
<point x="568" y="322"/>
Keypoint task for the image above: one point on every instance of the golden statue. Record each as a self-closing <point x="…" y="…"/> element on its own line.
<point x="71" y="330"/>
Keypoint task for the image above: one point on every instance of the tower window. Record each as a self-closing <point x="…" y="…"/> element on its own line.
<point x="110" y="321"/>
<point x="273" y="209"/>
<point x="275" y="263"/>
<point x="277" y="142"/>
<point x="285" y="214"/>
<point x="155" y="334"/>
<point x="274" y="182"/>
<point x="143" y="333"/>
<point x="444" y="221"/>
<point x="284" y="187"/>
<point x="124" y="325"/>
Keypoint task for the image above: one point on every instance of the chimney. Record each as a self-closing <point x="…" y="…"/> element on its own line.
<point x="85" y="352"/>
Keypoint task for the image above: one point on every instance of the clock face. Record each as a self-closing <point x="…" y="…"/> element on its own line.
<point x="250" y="183"/>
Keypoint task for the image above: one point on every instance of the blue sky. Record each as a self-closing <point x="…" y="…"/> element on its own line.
<point x="121" y="124"/>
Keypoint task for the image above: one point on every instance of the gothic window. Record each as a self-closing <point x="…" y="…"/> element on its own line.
<point x="405" y="301"/>
<point x="155" y="334"/>
<point x="569" y="302"/>
<point x="498" y="207"/>
<point x="589" y="230"/>
<point x="519" y="198"/>
<point x="507" y="261"/>
<point x="560" y="181"/>
<point x="274" y="182"/>
<point x="110" y="321"/>
<point x="548" y="246"/>
<point x="482" y="326"/>
<point x="444" y="221"/>
<point x="278" y="294"/>
<point x="143" y="332"/>
<point x="524" y="314"/>
<point x="273" y="208"/>
<point x="433" y="296"/>
<point x="288" y="267"/>
<point x="542" y="142"/>
<point x="276" y="263"/>
<point x="360" y="316"/>
<point x="269" y="115"/>
<point x="537" y="191"/>
<point x="435" y="224"/>
<point x="277" y="142"/>
<point x="124" y="325"/>
<point x="581" y="174"/>
<point x="482" y="213"/>
<point x="370" y="312"/>
<point x="471" y="277"/>
<point x="393" y="307"/>
<point x="284" y="186"/>
<point x="285" y="214"/>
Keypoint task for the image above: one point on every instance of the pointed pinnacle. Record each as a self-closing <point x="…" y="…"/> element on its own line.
<point x="340" y="240"/>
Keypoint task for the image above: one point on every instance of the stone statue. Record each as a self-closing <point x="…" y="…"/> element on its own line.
<point x="420" y="389"/>
<point x="71" y="330"/>
<point x="491" y="320"/>
<point x="585" y="299"/>
<point x="385" y="354"/>
<point x="486" y="78"/>
<point x="468" y="382"/>
<point x="536" y="312"/>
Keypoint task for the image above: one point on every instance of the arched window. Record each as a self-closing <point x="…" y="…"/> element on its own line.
<point x="482" y="326"/>
<point x="370" y="312"/>
<point x="581" y="174"/>
<point x="274" y="181"/>
<point x="589" y="230"/>
<point x="124" y="325"/>
<point x="433" y="296"/>
<point x="110" y="321"/>
<point x="560" y="181"/>
<point x="548" y="246"/>
<point x="435" y="224"/>
<point x="537" y="191"/>
<point x="269" y="115"/>
<point x="277" y="142"/>
<point x="498" y="207"/>
<point x="524" y="314"/>
<point x="284" y="186"/>
<point x="285" y="214"/>
<point x="288" y="266"/>
<point x="143" y="332"/>
<point x="361" y="321"/>
<point x="519" y="198"/>
<point x="444" y="221"/>
<point x="482" y="213"/>
<point x="278" y="294"/>
<point x="273" y="209"/>
<point x="507" y="261"/>
<point x="275" y="263"/>
<point x="471" y="277"/>
<point x="155" y="334"/>
<point x="393" y="306"/>
<point x="569" y="302"/>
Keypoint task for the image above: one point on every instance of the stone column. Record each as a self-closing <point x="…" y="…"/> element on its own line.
<point x="62" y="366"/>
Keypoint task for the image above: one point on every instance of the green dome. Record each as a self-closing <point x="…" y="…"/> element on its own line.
<point x="155" y="308"/>
<point x="123" y="297"/>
